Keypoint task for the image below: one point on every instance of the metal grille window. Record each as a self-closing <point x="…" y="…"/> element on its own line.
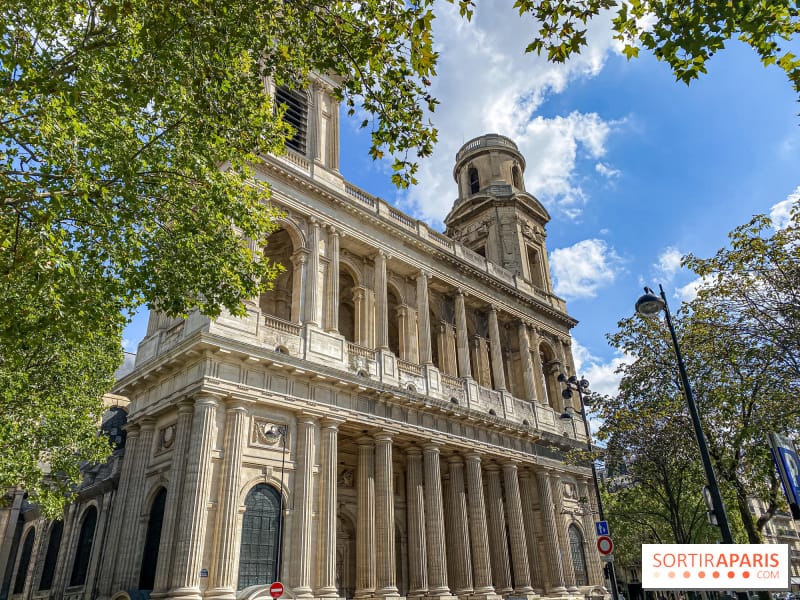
<point x="51" y="558"/>
<point x="296" y="105"/>
<point x="84" y="550"/>
<point x="578" y="556"/>
<point x="261" y="536"/>
<point x="24" y="562"/>
<point x="147" y="574"/>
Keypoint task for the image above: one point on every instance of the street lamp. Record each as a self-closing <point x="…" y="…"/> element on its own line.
<point x="649" y="305"/>
<point x="581" y="386"/>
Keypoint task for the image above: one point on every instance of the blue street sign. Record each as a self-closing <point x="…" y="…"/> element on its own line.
<point x="601" y="527"/>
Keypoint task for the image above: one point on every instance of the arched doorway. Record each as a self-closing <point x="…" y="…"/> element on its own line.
<point x="147" y="574"/>
<point x="578" y="556"/>
<point x="261" y="537"/>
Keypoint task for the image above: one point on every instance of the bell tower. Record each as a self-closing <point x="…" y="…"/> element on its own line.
<point x="494" y="215"/>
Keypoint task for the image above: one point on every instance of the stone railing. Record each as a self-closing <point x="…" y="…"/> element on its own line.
<point x="492" y="139"/>
<point x="281" y="325"/>
<point x="450" y="381"/>
<point x="409" y="367"/>
<point x="362" y="351"/>
<point x="296" y="159"/>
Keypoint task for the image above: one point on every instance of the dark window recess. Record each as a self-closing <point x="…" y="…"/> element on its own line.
<point x="474" y="182"/>
<point x="84" y="550"/>
<point x="147" y="574"/>
<point x="261" y="537"/>
<point x="24" y="563"/>
<point x="51" y="558"/>
<point x="578" y="556"/>
<point x="296" y="115"/>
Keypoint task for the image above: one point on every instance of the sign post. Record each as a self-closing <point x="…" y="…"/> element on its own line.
<point x="276" y="590"/>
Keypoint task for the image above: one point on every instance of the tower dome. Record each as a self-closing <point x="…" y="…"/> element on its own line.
<point x="491" y="160"/>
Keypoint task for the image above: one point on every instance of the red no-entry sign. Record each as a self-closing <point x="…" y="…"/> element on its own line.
<point x="276" y="589"/>
<point x="604" y="545"/>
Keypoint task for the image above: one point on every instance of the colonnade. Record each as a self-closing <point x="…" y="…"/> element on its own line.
<point x="316" y="299"/>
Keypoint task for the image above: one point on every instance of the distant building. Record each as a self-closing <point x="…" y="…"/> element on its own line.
<point x="781" y="529"/>
<point x="384" y="423"/>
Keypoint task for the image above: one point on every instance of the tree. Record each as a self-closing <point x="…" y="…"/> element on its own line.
<point x="741" y="396"/>
<point x="130" y="133"/>
<point x="754" y="289"/>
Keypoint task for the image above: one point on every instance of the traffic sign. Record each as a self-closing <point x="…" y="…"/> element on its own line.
<point x="276" y="589"/>
<point x="609" y="558"/>
<point x="604" y="545"/>
<point x="601" y="527"/>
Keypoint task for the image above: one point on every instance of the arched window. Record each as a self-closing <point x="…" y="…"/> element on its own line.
<point x="296" y="104"/>
<point x="24" y="562"/>
<point x="261" y="537"/>
<point x="84" y="550"/>
<point x="474" y="182"/>
<point x="147" y="574"/>
<point x="578" y="556"/>
<point x="51" y="558"/>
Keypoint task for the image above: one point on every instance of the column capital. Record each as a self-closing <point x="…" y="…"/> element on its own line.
<point x="455" y="459"/>
<point x="413" y="451"/>
<point x="147" y="423"/>
<point x="312" y="220"/>
<point x="185" y="405"/>
<point x="492" y="467"/>
<point x="511" y="465"/>
<point x="234" y="404"/>
<point x="432" y="447"/>
<point x="366" y="441"/>
<point x="307" y="418"/>
<point x="473" y="457"/>
<point x="383" y="436"/>
<point x="331" y="422"/>
<point x="423" y="274"/>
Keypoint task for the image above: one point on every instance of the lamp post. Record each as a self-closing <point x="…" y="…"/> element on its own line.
<point x="582" y="387"/>
<point x="649" y="305"/>
<point x="274" y="432"/>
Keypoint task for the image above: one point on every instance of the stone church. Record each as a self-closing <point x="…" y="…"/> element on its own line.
<point x="384" y="423"/>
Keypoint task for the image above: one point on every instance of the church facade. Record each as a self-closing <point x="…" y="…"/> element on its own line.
<point x="384" y="423"/>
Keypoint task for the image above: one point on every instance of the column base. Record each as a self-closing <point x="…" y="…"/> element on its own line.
<point x="185" y="593"/>
<point x="557" y="591"/>
<point x="220" y="594"/>
<point x="390" y="594"/>
<point x="302" y="592"/>
<point x="485" y="596"/>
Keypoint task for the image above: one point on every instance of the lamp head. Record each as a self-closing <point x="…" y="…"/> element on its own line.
<point x="565" y="416"/>
<point x="649" y="304"/>
<point x="566" y="394"/>
<point x="561" y="378"/>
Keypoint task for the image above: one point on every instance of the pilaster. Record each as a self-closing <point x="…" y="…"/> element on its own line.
<point x="423" y="318"/>
<point x="332" y="299"/>
<point x="381" y="302"/>
<point x="528" y="368"/>
<point x="462" y="341"/>
<point x="497" y="352"/>
<point x="312" y="276"/>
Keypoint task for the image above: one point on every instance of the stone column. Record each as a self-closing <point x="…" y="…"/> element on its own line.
<point x="479" y="537"/>
<point x="402" y="332"/>
<point x="386" y="581"/>
<point x="117" y="519"/>
<point x="498" y="542"/>
<point x="434" y="524"/>
<point x="527" y="365"/>
<point x="358" y="309"/>
<point x="516" y="531"/>
<point x="189" y="548"/>
<point x="365" y="534"/>
<point x="547" y="505"/>
<point x="130" y="556"/>
<point x="169" y="526"/>
<point x="302" y="521"/>
<point x="497" y="351"/>
<point x="462" y="342"/>
<point x="528" y="495"/>
<point x="299" y="284"/>
<point x="568" y="358"/>
<point x="563" y="541"/>
<point x="312" y="275"/>
<point x="326" y="541"/>
<point x="593" y="563"/>
<point x="332" y="301"/>
<point x="538" y="373"/>
<point x="462" y="567"/>
<point x="423" y="318"/>
<point x="223" y="575"/>
<point x="381" y="303"/>
<point x="415" y="506"/>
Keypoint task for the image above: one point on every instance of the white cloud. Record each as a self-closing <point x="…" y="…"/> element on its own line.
<point x="669" y="262"/>
<point x="780" y="213"/>
<point x="487" y="84"/>
<point x="602" y="376"/>
<point x="607" y="171"/>
<point x="582" y="269"/>
<point x="688" y="292"/>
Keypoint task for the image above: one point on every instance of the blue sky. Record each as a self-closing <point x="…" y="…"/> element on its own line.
<point x="634" y="168"/>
